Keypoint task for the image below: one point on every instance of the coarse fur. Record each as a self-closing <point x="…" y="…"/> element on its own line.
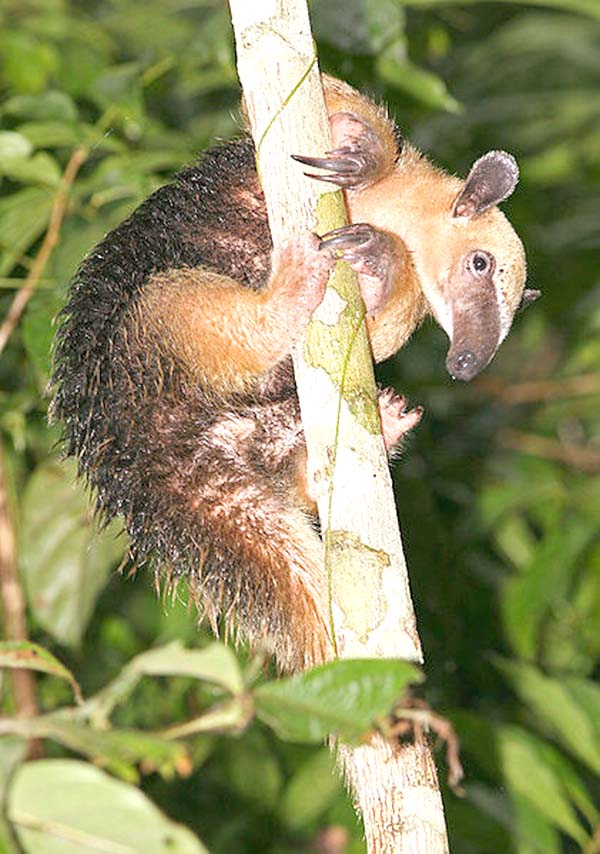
<point x="173" y="378"/>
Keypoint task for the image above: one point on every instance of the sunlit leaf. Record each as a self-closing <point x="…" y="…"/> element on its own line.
<point x="555" y="703"/>
<point x="529" y="595"/>
<point x="13" y="751"/>
<point x="534" y="832"/>
<point x="64" y="559"/>
<point x="50" y="106"/>
<point x="24" y="216"/>
<point x="13" y="146"/>
<point x="343" y="698"/>
<point x="310" y="791"/>
<point x="216" y="663"/>
<point x="60" y="802"/>
<point x="530" y="776"/>
<point x="42" y="169"/>
<point x="32" y="656"/>
<point x="396" y="69"/>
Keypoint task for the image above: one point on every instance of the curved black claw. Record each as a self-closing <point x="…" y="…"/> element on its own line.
<point x="346" y="166"/>
<point x="357" y="236"/>
<point x="369" y="253"/>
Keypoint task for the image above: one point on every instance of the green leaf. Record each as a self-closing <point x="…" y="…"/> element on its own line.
<point x="50" y="106"/>
<point x="24" y="216"/>
<point x="587" y="694"/>
<point x="215" y="663"/>
<point x="310" y="791"/>
<point x="65" y="561"/>
<point x="37" y="329"/>
<point x="555" y="704"/>
<point x="119" y="750"/>
<point x="13" y="146"/>
<point x="535" y="833"/>
<point x="42" y="168"/>
<point x="27" y="62"/>
<point x="12" y="752"/>
<point x="396" y="69"/>
<point x="250" y="759"/>
<point x="527" y="773"/>
<point x="60" y="804"/>
<point x="343" y="698"/>
<point x="529" y="595"/>
<point x="32" y="656"/>
<point x="50" y="134"/>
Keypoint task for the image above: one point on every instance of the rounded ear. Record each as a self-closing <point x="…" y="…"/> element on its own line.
<point x="491" y="180"/>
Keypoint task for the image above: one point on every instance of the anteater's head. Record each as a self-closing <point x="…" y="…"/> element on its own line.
<point x="471" y="263"/>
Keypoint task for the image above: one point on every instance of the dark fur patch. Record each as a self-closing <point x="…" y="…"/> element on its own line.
<point x="203" y="482"/>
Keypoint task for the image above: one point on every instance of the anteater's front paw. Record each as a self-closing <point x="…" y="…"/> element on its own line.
<point x="357" y="158"/>
<point x="303" y="263"/>
<point x="369" y="253"/>
<point x="396" y="421"/>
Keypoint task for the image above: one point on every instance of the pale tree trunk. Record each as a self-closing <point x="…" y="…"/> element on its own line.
<point x="395" y="788"/>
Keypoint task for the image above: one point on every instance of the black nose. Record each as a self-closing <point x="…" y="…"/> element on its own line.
<point x="463" y="366"/>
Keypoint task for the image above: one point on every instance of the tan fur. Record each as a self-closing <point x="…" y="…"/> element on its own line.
<point x="434" y="241"/>
<point x="228" y="335"/>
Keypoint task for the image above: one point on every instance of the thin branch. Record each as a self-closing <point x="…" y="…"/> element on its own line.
<point x="50" y="240"/>
<point x="578" y="456"/>
<point x="537" y="391"/>
<point x="14" y="611"/>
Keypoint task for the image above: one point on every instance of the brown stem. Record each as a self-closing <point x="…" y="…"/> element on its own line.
<point x="13" y="604"/>
<point x="535" y="391"/>
<point x="578" y="456"/>
<point x="50" y="240"/>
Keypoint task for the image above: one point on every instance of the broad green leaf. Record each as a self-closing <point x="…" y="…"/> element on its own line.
<point x="37" y="327"/>
<point x="534" y="833"/>
<point x="13" y="146"/>
<point x="310" y="791"/>
<point x="50" y="106"/>
<point x="396" y="69"/>
<point x="13" y="751"/>
<point x="118" y="750"/>
<point x="42" y="169"/>
<point x="253" y="758"/>
<point x="572" y="782"/>
<point x="554" y="703"/>
<point x="24" y="216"/>
<point x="32" y="656"/>
<point x="61" y="805"/>
<point x="343" y="698"/>
<point x="587" y="694"/>
<point x="68" y="134"/>
<point x="529" y="595"/>
<point x="49" y="134"/>
<point x="529" y="775"/>
<point x="65" y="561"/>
<point x="215" y="663"/>
<point x="27" y="62"/>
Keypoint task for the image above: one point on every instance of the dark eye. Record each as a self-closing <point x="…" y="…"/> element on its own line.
<point x="480" y="263"/>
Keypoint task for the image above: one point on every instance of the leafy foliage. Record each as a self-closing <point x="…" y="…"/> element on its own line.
<point x="498" y="491"/>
